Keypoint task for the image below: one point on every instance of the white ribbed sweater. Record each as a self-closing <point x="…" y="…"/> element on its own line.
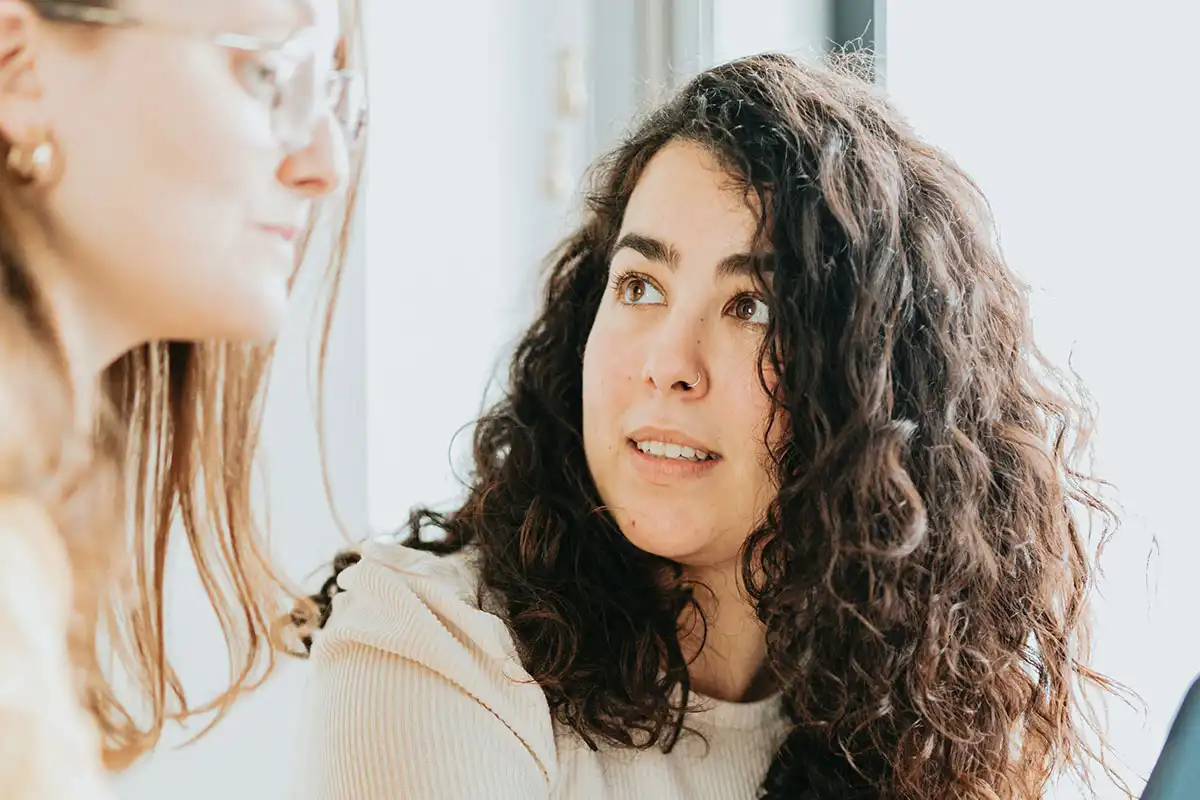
<point x="49" y="747"/>
<point x="417" y="693"/>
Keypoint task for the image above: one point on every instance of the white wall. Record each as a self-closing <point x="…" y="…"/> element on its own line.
<point x="746" y="27"/>
<point x="464" y="109"/>
<point x="1079" y="121"/>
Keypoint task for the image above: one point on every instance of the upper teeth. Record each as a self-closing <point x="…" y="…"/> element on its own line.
<point x="667" y="450"/>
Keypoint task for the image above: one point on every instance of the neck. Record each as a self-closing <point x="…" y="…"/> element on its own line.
<point x="90" y="340"/>
<point x="727" y="659"/>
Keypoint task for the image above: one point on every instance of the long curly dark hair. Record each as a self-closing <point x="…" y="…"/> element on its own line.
<point x="923" y="572"/>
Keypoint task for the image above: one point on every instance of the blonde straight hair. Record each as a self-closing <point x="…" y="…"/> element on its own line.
<point x="174" y="448"/>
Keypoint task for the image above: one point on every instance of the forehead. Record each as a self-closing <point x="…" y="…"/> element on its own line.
<point x="686" y="196"/>
<point x="278" y="17"/>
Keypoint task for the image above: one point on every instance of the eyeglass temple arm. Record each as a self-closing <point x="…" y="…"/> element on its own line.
<point x="80" y="12"/>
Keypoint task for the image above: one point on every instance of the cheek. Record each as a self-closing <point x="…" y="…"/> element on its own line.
<point x="610" y="376"/>
<point x="210" y="142"/>
<point x="762" y="398"/>
<point x="182" y="137"/>
<point x="751" y="406"/>
<point x="186" y="165"/>
<point x="186" y="114"/>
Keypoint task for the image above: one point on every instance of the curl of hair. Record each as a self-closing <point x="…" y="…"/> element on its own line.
<point x="922" y="574"/>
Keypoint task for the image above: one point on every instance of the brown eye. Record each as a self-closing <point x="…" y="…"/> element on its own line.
<point x="748" y="308"/>
<point x="635" y="290"/>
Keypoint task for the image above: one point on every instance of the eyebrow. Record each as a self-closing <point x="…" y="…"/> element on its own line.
<point x="652" y="249"/>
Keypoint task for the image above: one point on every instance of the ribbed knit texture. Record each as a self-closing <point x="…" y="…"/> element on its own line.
<point x="49" y="747"/>
<point x="417" y="693"/>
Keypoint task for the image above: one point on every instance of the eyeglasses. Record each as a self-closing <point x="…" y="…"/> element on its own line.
<point x="286" y="76"/>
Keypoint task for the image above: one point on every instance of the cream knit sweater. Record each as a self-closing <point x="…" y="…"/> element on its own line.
<point x="417" y="693"/>
<point x="49" y="747"/>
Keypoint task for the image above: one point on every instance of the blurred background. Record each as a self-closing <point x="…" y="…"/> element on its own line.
<point x="1077" y="119"/>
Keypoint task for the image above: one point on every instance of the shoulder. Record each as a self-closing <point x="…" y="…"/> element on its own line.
<point x="42" y="726"/>
<point x="34" y="560"/>
<point x="24" y="520"/>
<point x="397" y="599"/>
<point x="404" y="611"/>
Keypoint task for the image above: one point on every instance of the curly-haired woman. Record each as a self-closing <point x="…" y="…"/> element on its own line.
<point x="781" y="497"/>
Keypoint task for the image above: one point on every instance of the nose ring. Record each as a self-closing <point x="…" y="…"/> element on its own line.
<point x="696" y="382"/>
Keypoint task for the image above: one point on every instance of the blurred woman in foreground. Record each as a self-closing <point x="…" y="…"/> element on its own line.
<point x="165" y="162"/>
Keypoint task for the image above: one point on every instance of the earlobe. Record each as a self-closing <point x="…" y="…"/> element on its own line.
<point x="21" y="114"/>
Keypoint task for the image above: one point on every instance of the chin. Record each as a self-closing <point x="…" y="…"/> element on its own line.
<point x="254" y="318"/>
<point x="669" y="536"/>
<point x="260" y="328"/>
<point x="687" y="539"/>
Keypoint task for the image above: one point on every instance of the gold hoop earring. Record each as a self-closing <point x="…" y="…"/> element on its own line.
<point x="35" y="163"/>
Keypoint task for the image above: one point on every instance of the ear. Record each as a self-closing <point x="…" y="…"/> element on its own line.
<point x="22" y="113"/>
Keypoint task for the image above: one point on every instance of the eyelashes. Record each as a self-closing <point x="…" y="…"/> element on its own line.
<point x="631" y="288"/>
<point x="626" y="285"/>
